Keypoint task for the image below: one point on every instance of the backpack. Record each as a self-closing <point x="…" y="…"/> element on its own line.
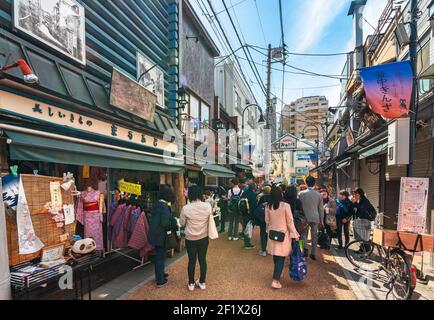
<point x="259" y="214"/>
<point x="323" y="240"/>
<point x="234" y="201"/>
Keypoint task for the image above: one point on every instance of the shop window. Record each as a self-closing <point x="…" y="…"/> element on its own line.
<point x="194" y="107"/>
<point x="211" y="181"/>
<point x="205" y="113"/>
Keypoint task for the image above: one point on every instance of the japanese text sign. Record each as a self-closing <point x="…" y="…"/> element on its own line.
<point x="388" y="88"/>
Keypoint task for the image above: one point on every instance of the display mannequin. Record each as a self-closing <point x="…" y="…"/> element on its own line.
<point x="90" y="211"/>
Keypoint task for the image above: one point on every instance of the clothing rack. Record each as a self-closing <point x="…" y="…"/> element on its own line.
<point x="142" y="262"/>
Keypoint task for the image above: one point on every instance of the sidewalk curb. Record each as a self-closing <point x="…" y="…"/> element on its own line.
<point x="150" y="278"/>
<point x="354" y="285"/>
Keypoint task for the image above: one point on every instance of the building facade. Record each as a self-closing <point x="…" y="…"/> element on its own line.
<point x="305" y="111"/>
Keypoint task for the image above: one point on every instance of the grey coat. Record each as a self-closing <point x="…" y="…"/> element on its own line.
<point x="313" y="206"/>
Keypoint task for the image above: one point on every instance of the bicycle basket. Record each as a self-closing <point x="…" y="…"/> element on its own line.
<point x="362" y="229"/>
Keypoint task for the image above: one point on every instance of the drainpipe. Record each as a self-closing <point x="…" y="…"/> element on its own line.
<point x="5" y="278"/>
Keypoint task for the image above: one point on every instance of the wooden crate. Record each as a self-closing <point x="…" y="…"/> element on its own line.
<point x="37" y="189"/>
<point x="390" y="238"/>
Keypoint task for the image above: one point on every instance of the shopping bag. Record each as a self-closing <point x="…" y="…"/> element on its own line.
<point x="297" y="266"/>
<point x="248" y="232"/>
<point x="212" y="228"/>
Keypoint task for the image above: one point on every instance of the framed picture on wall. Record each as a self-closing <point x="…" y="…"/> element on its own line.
<point x="153" y="78"/>
<point x="59" y="24"/>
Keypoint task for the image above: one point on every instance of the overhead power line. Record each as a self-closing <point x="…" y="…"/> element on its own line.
<point x="246" y="51"/>
<point x="260" y="22"/>
<point x="230" y="47"/>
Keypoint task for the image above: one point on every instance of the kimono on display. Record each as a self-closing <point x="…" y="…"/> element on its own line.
<point x="89" y="214"/>
<point x="129" y="227"/>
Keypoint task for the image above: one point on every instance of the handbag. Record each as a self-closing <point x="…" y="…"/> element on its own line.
<point x="276" y="235"/>
<point x="171" y="242"/>
<point x="212" y="228"/>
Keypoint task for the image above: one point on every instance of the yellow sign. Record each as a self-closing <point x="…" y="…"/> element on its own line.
<point x="130" y="188"/>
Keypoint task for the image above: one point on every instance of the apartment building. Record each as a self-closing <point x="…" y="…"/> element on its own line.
<point x="303" y="117"/>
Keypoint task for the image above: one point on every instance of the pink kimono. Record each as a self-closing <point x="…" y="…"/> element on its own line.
<point x="280" y="220"/>
<point x="88" y="214"/>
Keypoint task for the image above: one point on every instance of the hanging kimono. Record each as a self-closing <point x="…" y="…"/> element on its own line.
<point x="89" y="214"/>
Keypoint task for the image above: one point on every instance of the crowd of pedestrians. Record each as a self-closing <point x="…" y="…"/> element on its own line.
<point x="285" y="215"/>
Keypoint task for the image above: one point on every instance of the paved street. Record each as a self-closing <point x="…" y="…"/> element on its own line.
<point x="238" y="274"/>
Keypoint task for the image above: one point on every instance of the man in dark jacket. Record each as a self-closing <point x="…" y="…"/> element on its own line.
<point x="251" y="196"/>
<point x="160" y="223"/>
<point x="365" y="211"/>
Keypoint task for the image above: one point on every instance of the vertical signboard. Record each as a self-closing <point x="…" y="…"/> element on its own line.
<point x="413" y="203"/>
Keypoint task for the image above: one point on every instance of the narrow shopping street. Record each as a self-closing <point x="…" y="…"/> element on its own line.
<point x="238" y="274"/>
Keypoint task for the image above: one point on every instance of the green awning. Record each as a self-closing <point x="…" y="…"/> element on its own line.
<point x="243" y="166"/>
<point x="214" y="170"/>
<point x="36" y="148"/>
<point x="367" y="152"/>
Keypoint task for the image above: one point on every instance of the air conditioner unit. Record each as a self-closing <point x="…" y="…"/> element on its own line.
<point x="398" y="142"/>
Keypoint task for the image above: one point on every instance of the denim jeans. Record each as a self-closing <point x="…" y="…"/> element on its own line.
<point x="345" y="227"/>
<point x="234" y="221"/>
<point x="314" y="232"/>
<point x="279" y="263"/>
<point x="264" y="236"/>
<point x="159" y="264"/>
<point x="197" y="250"/>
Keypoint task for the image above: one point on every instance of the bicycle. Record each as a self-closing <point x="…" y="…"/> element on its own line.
<point x="368" y="256"/>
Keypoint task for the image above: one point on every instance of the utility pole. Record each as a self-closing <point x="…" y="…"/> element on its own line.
<point x="414" y="98"/>
<point x="268" y="157"/>
<point x="268" y="93"/>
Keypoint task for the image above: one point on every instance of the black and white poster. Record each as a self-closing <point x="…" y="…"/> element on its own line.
<point x="58" y="23"/>
<point x="153" y="79"/>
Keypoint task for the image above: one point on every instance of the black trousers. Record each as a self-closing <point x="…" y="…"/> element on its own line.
<point x="197" y="250"/>
<point x="279" y="263"/>
<point x="345" y="227"/>
<point x="264" y="236"/>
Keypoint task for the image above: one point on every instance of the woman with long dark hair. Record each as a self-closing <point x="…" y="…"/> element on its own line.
<point x="281" y="231"/>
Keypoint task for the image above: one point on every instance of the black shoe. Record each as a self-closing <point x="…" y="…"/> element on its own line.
<point x="312" y="257"/>
<point x="306" y="253"/>
<point x="340" y="247"/>
<point x="160" y="285"/>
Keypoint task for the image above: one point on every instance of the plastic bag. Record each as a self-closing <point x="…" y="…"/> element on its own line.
<point x="248" y="232"/>
<point x="297" y="266"/>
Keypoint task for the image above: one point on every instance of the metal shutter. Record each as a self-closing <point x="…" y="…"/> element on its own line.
<point x="369" y="182"/>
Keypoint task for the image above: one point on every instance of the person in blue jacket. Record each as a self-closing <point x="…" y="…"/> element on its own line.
<point x="344" y="212"/>
<point x="160" y="223"/>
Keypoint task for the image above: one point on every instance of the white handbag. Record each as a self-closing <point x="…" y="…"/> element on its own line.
<point x="212" y="228"/>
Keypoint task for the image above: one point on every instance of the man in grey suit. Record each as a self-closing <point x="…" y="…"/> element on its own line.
<point x="313" y="209"/>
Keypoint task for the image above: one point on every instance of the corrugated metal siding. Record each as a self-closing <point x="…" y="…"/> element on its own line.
<point x="115" y="31"/>
<point x="423" y="159"/>
<point x="370" y="182"/>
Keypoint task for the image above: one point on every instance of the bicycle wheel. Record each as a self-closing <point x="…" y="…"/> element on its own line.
<point x="362" y="255"/>
<point x="399" y="265"/>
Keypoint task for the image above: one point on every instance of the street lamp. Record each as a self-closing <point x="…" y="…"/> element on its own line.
<point x="261" y="121"/>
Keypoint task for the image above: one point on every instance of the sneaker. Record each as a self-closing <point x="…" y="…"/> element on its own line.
<point x="191" y="287"/>
<point x="249" y="247"/>
<point x="202" y="286"/>
<point x="160" y="285"/>
<point x="263" y="253"/>
<point x="230" y="238"/>
<point x="235" y="239"/>
<point x="276" y="284"/>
